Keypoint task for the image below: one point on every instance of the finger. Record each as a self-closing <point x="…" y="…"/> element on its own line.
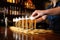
<point x="39" y="19"/>
<point x="36" y="16"/>
<point x="34" y="13"/>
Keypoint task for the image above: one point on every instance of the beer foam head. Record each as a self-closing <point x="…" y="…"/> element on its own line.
<point x="19" y="18"/>
<point x="32" y="18"/>
<point x="15" y="19"/>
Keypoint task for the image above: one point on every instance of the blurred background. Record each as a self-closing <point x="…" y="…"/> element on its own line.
<point x="16" y="8"/>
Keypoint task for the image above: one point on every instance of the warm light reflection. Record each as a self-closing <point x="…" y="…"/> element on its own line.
<point x="13" y="1"/>
<point x="29" y="4"/>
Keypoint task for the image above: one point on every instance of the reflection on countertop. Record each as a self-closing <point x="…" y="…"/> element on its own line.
<point x="35" y="37"/>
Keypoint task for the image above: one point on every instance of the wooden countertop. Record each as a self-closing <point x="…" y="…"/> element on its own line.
<point x="53" y="36"/>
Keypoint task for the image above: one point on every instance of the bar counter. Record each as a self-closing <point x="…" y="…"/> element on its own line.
<point x="53" y="36"/>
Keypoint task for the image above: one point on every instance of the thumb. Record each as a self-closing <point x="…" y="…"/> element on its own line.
<point x="34" y="13"/>
<point x="36" y="16"/>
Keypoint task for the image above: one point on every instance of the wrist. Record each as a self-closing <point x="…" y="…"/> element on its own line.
<point x="46" y="12"/>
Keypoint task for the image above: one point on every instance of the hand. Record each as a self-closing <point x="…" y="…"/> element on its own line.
<point x="37" y="13"/>
<point x="41" y="18"/>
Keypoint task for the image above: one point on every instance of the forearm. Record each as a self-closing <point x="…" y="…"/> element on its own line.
<point x="53" y="11"/>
